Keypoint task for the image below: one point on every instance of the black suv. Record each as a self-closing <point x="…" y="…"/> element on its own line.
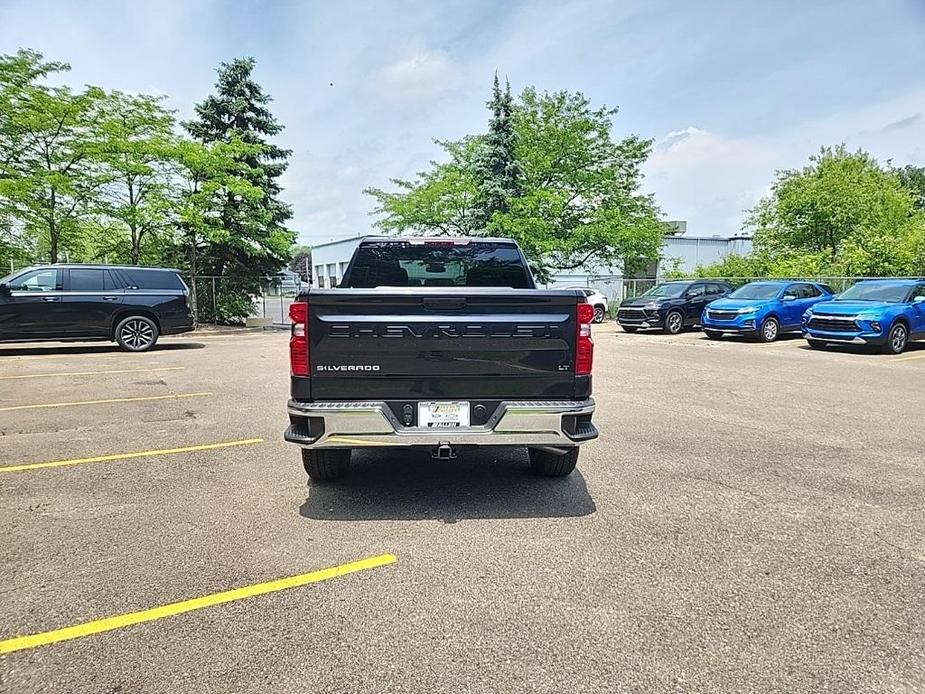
<point x="671" y="306"/>
<point x="63" y="303"/>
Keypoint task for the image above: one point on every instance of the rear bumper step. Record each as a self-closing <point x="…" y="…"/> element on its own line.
<point x="554" y="424"/>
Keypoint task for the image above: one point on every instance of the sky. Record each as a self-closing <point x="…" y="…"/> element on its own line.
<point x="729" y="91"/>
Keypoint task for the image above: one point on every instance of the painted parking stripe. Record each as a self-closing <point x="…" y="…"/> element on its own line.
<point x="174" y="396"/>
<point x="98" y="626"/>
<point x="361" y="442"/>
<point x="911" y="357"/>
<point x="128" y="456"/>
<point x="77" y="354"/>
<point x="92" y="373"/>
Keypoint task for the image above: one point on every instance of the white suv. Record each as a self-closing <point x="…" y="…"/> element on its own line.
<point x="597" y="300"/>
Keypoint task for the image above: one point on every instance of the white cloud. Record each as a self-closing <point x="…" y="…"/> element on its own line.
<point x="423" y="76"/>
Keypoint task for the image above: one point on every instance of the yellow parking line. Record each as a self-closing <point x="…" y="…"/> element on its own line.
<point x="101" y="402"/>
<point x="910" y="358"/>
<point x="93" y="373"/>
<point x="124" y="620"/>
<point x="128" y="456"/>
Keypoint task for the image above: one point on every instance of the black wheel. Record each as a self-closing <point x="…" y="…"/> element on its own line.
<point x="674" y="322"/>
<point x="628" y="329"/>
<point x="553" y="464"/>
<point x="816" y="344"/>
<point x="136" y="333"/>
<point x="713" y="334"/>
<point x="599" y="314"/>
<point x="325" y="464"/>
<point x="769" y="330"/>
<point x="897" y="339"/>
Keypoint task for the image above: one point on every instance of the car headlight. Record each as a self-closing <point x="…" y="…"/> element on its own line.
<point x="745" y="311"/>
<point x="652" y="305"/>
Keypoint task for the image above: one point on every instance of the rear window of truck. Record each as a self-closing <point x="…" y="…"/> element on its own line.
<point x="438" y="264"/>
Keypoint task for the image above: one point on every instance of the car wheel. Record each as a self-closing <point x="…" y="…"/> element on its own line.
<point x="599" y="314"/>
<point x="713" y="334"/>
<point x="769" y="330"/>
<point x="325" y="464"/>
<point x="136" y="334"/>
<point x="674" y="322"/>
<point x="628" y="329"/>
<point x="549" y="464"/>
<point x="897" y="339"/>
<point x="816" y="344"/>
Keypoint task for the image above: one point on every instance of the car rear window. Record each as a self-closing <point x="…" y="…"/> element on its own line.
<point x="437" y="264"/>
<point x="152" y="279"/>
<point x="91" y="280"/>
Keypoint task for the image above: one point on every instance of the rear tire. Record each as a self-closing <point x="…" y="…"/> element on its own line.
<point x="325" y="465"/>
<point x="897" y="339"/>
<point x="548" y="464"/>
<point x="628" y="329"/>
<point x="136" y="334"/>
<point x="713" y="334"/>
<point x="599" y="314"/>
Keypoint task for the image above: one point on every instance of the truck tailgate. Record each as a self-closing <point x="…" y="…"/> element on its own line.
<point x="442" y="342"/>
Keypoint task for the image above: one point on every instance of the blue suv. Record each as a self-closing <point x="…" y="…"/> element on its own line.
<point x="762" y="309"/>
<point x="885" y="313"/>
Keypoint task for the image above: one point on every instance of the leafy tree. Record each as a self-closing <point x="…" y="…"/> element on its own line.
<point x="301" y="262"/>
<point x="497" y="171"/>
<point x="137" y="153"/>
<point x="49" y="139"/>
<point x="841" y="214"/>
<point x="208" y="175"/>
<point x="913" y="177"/>
<point x="440" y="201"/>
<point x="581" y="202"/>
<point x="255" y="243"/>
<point x="577" y="198"/>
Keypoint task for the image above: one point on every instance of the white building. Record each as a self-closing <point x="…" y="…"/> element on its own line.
<point x="330" y="261"/>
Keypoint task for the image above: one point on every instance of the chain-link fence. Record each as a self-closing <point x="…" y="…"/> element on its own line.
<point x="218" y="299"/>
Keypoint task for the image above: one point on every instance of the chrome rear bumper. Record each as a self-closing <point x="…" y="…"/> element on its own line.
<point x="553" y="424"/>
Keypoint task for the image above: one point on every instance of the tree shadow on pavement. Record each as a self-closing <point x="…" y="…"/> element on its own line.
<point x="409" y="485"/>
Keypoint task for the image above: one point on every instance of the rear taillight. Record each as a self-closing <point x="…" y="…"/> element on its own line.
<point x="584" y="353"/>
<point x="298" y="342"/>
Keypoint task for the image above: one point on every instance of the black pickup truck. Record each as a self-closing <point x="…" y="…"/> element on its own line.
<point x="442" y="343"/>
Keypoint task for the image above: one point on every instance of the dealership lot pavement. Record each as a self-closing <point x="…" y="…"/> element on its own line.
<point x="751" y="519"/>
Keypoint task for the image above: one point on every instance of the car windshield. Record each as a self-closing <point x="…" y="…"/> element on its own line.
<point x="670" y="290"/>
<point x="756" y="291"/>
<point x="875" y="291"/>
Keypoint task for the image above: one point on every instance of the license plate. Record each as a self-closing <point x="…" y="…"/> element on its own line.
<point x="443" y="415"/>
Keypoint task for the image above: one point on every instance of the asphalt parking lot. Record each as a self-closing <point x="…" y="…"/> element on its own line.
<point x="751" y="519"/>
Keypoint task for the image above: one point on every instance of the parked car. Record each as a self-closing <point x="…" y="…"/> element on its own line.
<point x="671" y="306"/>
<point x="763" y="309"/>
<point x="597" y="300"/>
<point x="884" y="313"/>
<point x="441" y="344"/>
<point x="64" y="303"/>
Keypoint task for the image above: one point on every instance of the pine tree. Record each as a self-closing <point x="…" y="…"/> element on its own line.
<point x="498" y="173"/>
<point x="256" y="243"/>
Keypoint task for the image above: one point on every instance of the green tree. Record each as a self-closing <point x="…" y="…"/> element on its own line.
<point x="301" y="262"/>
<point x="577" y="196"/>
<point x="913" y="177"/>
<point x="256" y="242"/>
<point x="841" y="214"/>
<point x="50" y="141"/>
<point x="440" y="201"/>
<point x="208" y="174"/>
<point x="137" y="152"/>
<point x="497" y="171"/>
